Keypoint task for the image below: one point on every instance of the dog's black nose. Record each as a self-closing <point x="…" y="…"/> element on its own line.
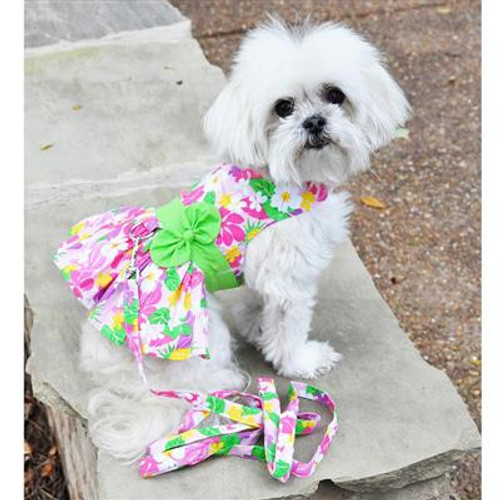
<point x="314" y="124"/>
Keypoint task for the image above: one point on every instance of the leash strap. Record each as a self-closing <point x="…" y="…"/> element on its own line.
<point x="260" y="416"/>
<point x="246" y="424"/>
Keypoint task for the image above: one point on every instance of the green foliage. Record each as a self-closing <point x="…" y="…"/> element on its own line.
<point x="160" y="316"/>
<point x="172" y="280"/>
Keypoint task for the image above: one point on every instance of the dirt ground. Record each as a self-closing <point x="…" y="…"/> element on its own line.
<point x="423" y="248"/>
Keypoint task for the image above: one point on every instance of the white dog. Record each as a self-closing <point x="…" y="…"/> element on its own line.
<point x="307" y="103"/>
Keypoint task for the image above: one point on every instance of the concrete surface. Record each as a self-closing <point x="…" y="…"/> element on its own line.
<point x="47" y="22"/>
<point x="401" y="420"/>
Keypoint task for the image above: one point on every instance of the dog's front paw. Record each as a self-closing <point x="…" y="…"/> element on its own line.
<point x="312" y="360"/>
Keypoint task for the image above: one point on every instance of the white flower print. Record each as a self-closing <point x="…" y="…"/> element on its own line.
<point x="285" y="199"/>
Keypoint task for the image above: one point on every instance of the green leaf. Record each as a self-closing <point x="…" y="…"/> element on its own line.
<point x="248" y="410"/>
<point x="259" y="453"/>
<point x="173" y="443"/>
<point x="402" y="133"/>
<point x="263" y="186"/>
<point x="209" y="431"/>
<point x="282" y="468"/>
<point x="312" y="390"/>
<point x="160" y="316"/>
<point x="267" y="396"/>
<point x="130" y="311"/>
<point x="216" y="405"/>
<point x="229" y="442"/>
<point x="184" y="330"/>
<point x="273" y="212"/>
<point x="116" y="336"/>
<point x="209" y="197"/>
<point x="271" y="452"/>
<point x="172" y="280"/>
<point x="275" y="418"/>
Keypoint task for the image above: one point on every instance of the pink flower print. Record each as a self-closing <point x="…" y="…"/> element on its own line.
<point x="82" y="279"/>
<point x="231" y="228"/>
<point x="189" y="197"/>
<point x="191" y="280"/>
<point x="195" y="452"/>
<point x="301" y="469"/>
<point x="325" y="444"/>
<point x="288" y="424"/>
<point x="72" y="243"/>
<point x="148" y="466"/>
<point x="257" y="213"/>
<point x="324" y="399"/>
<point x="320" y="191"/>
<point x="233" y="256"/>
<point x="242" y="173"/>
<point x="149" y="301"/>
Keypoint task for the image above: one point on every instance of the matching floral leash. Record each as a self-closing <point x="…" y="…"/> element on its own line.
<point x="261" y="415"/>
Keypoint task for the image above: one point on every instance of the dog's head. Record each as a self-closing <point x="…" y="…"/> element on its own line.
<point x="309" y="102"/>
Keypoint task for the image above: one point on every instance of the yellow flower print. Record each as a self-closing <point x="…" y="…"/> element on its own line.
<point x="253" y="233"/>
<point x="180" y="354"/>
<point x="187" y="301"/>
<point x="286" y="196"/>
<point x="175" y="296"/>
<point x="307" y="200"/>
<point x="232" y="254"/>
<point x="188" y="434"/>
<point x="69" y="268"/>
<point x="234" y="413"/>
<point x="103" y="279"/>
<point x="118" y="319"/>
<point x="77" y="228"/>
<point x="225" y="200"/>
<point x="250" y="420"/>
<point x="268" y="406"/>
<point x="215" y="447"/>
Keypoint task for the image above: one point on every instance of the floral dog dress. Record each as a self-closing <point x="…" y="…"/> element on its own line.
<point x="144" y="273"/>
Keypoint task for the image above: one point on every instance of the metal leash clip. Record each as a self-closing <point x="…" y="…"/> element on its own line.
<point x="132" y="268"/>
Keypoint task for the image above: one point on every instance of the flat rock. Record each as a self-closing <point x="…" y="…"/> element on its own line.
<point x="49" y="22"/>
<point x="137" y="140"/>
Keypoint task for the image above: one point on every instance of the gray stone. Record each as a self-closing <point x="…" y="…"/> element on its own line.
<point x="47" y="22"/>
<point x="140" y="110"/>
<point x="433" y="489"/>
<point x="401" y="420"/>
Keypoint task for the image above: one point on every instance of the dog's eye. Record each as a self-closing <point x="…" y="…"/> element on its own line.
<point x="284" y="108"/>
<point x="334" y="96"/>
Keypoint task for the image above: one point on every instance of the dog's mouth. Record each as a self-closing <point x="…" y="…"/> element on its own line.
<point x="317" y="142"/>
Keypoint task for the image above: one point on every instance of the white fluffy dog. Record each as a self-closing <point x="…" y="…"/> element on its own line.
<point x="306" y="103"/>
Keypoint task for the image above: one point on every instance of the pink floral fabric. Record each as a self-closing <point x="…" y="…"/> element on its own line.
<point x="260" y="416"/>
<point x="162" y="312"/>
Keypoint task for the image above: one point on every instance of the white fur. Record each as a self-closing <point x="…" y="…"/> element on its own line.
<point x="283" y="263"/>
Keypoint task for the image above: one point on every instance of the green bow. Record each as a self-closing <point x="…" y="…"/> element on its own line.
<point x="188" y="234"/>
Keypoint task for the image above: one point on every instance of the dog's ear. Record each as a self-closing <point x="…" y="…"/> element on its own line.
<point x="385" y="107"/>
<point x="231" y="128"/>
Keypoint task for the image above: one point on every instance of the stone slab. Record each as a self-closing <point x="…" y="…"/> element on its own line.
<point x="401" y="420"/>
<point x="141" y="106"/>
<point x="47" y="22"/>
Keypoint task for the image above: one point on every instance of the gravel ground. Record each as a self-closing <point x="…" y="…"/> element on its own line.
<point x="423" y="248"/>
<point x="43" y="475"/>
